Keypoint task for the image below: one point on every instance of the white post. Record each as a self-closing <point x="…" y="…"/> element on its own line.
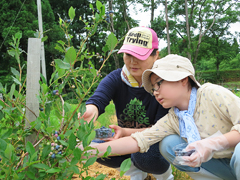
<point x="33" y="87"/>
<point x="42" y="57"/>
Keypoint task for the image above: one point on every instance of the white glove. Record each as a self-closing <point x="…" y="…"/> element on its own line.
<point x="204" y="150"/>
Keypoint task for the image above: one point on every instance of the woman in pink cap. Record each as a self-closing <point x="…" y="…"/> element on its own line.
<point x="140" y="50"/>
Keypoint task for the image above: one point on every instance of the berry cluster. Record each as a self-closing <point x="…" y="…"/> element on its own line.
<point x="103" y="132"/>
<point x="55" y="147"/>
<point x="108" y="15"/>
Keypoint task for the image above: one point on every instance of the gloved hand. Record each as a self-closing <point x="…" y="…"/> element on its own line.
<point x="204" y="150"/>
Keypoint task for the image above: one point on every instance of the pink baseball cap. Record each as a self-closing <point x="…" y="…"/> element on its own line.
<point x="140" y="42"/>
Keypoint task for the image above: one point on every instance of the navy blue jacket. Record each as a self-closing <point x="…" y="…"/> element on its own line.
<point x="113" y="88"/>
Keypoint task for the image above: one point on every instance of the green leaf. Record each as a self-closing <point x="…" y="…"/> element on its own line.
<point x="30" y="149"/>
<point x="82" y="108"/>
<point x="1" y="86"/>
<point x="77" y="153"/>
<point x="63" y="143"/>
<point x="101" y="177"/>
<point x="44" y="88"/>
<point x="53" y="170"/>
<point x="70" y="55"/>
<point x="18" y="35"/>
<point x="91" y="6"/>
<point x="8" y="151"/>
<point x="30" y="174"/>
<point x="109" y="149"/>
<point x="71" y="13"/>
<point x="16" y="81"/>
<point x="72" y="141"/>
<point x="15" y="72"/>
<point x="90" y="161"/>
<point x="43" y="79"/>
<point x="3" y="145"/>
<point x="44" y="38"/>
<point x="125" y="166"/>
<point x="34" y="156"/>
<point x="59" y="48"/>
<point x="41" y="166"/>
<point x="74" y="161"/>
<point x="99" y="5"/>
<point x="91" y="136"/>
<point x="46" y="151"/>
<point x="7" y="134"/>
<point x="105" y="48"/>
<point x="1" y="114"/>
<point x="61" y="72"/>
<point x="12" y="90"/>
<point x="96" y="18"/>
<point x="74" y="169"/>
<point x="111" y="41"/>
<point x="61" y="64"/>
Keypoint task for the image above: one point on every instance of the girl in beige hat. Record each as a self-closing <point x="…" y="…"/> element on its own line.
<point x="206" y="118"/>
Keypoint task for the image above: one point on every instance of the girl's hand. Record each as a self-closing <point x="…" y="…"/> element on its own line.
<point x="119" y="132"/>
<point x="91" y="112"/>
<point x="204" y="150"/>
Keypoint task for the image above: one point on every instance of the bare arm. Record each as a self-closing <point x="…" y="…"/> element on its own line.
<point x="125" y="145"/>
<point x="233" y="138"/>
<point x="129" y="131"/>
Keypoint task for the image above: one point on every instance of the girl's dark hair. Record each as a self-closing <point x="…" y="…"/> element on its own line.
<point x="192" y="83"/>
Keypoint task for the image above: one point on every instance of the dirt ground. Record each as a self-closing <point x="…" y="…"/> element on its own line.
<point x="97" y="168"/>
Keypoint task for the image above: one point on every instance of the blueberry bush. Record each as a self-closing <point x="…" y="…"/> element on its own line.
<point x="58" y="130"/>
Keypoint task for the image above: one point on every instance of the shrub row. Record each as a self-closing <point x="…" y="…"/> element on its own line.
<point x="220" y="76"/>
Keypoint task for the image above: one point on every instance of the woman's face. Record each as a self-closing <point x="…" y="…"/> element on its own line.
<point x="171" y="94"/>
<point x="136" y="67"/>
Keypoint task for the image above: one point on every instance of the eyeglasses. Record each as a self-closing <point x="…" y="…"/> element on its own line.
<point x="156" y="86"/>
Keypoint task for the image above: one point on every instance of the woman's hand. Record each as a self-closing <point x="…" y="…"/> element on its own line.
<point x="91" y="112"/>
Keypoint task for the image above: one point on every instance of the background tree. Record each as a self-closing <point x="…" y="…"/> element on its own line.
<point x="17" y="16"/>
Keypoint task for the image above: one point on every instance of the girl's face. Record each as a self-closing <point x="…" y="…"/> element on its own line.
<point x="171" y="94"/>
<point x="136" y="67"/>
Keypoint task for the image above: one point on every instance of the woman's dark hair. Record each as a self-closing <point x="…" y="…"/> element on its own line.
<point x="154" y="52"/>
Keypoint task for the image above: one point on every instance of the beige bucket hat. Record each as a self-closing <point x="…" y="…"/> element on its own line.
<point x="170" y="68"/>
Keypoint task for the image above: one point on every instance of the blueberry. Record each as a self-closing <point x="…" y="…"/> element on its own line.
<point x="57" y="147"/>
<point x="0" y="159"/>
<point x="56" y="132"/>
<point x="55" y="92"/>
<point x="101" y="59"/>
<point x="41" y="109"/>
<point x="58" y="138"/>
<point x="68" y="20"/>
<point x="59" y="152"/>
<point x="53" y="156"/>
